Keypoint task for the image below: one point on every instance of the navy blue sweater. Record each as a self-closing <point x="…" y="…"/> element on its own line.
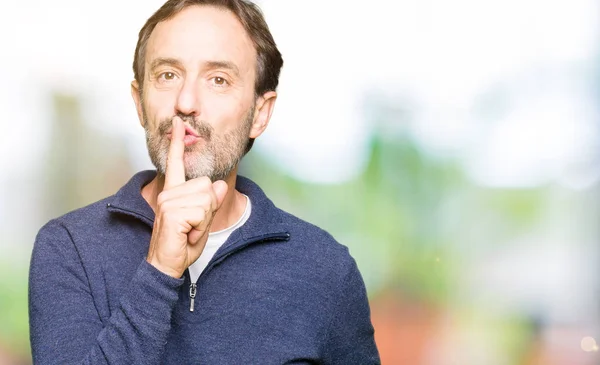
<point x="279" y="291"/>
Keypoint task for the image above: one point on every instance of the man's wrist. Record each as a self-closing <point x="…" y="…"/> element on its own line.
<point x="164" y="269"/>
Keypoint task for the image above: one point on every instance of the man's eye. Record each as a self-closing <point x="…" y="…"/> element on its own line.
<point x="167" y="76"/>
<point x="219" y="81"/>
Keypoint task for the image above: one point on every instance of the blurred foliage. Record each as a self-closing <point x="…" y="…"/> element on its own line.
<point x="387" y="215"/>
<point x="403" y="217"/>
<point x="409" y="218"/>
<point x="414" y="222"/>
<point x="14" y="326"/>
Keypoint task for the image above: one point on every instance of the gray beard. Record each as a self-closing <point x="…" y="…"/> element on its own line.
<point x="218" y="156"/>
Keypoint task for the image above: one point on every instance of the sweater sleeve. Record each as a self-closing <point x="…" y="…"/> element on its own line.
<point x="350" y="338"/>
<point x="65" y="327"/>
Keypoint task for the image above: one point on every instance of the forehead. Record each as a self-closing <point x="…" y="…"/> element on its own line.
<point x="200" y="34"/>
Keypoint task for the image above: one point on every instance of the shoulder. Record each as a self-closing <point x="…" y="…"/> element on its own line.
<point x="309" y="246"/>
<point x="62" y="228"/>
<point x="266" y="215"/>
<point x="98" y="215"/>
<point x="315" y="243"/>
<point x="94" y="212"/>
<point x="307" y="231"/>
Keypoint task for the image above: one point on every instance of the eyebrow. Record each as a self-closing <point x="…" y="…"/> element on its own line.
<point x="209" y="65"/>
<point x="161" y="61"/>
<point x="213" y="65"/>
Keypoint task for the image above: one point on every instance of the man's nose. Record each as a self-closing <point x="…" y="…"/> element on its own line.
<point x="188" y="100"/>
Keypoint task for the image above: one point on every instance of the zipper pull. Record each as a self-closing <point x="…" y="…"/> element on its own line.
<point x="192" y="296"/>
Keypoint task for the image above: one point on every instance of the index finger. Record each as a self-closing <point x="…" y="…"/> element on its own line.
<point x="175" y="174"/>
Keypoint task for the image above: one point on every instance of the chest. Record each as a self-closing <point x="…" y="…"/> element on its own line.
<point x="260" y="305"/>
<point x="248" y="317"/>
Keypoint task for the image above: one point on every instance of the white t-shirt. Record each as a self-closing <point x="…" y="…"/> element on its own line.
<point x="214" y="242"/>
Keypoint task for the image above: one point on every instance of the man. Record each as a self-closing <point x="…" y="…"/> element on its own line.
<point x="191" y="264"/>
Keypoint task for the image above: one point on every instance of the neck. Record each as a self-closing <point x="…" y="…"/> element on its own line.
<point x="230" y="212"/>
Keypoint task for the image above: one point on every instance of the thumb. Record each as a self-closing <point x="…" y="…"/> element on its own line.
<point x="220" y="188"/>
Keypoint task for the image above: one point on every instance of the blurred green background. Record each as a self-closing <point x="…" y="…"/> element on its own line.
<point x="452" y="146"/>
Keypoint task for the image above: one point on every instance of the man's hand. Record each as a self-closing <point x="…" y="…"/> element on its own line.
<point x="185" y="210"/>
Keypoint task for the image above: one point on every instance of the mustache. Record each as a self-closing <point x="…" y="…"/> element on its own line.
<point x="203" y="129"/>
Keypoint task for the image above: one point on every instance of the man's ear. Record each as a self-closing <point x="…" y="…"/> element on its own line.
<point x="136" y="95"/>
<point x="262" y="113"/>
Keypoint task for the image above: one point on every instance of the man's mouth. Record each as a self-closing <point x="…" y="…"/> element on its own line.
<point x="191" y="136"/>
<point x="190" y="131"/>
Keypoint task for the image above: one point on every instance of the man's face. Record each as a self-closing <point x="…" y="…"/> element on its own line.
<point x="200" y="66"/>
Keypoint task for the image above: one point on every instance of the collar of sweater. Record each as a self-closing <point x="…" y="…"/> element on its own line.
<point x="265" y="221"/>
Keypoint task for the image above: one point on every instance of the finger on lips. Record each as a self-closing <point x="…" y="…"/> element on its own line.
<point x="175" y="174"/>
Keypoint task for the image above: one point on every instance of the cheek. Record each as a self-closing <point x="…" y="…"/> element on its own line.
<point x="157" y="107"/>
<point x="225" y="113"/>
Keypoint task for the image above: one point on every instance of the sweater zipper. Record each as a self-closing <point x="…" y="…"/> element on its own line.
<point x="281" y="236"/>
<point x="192" y="296"/>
